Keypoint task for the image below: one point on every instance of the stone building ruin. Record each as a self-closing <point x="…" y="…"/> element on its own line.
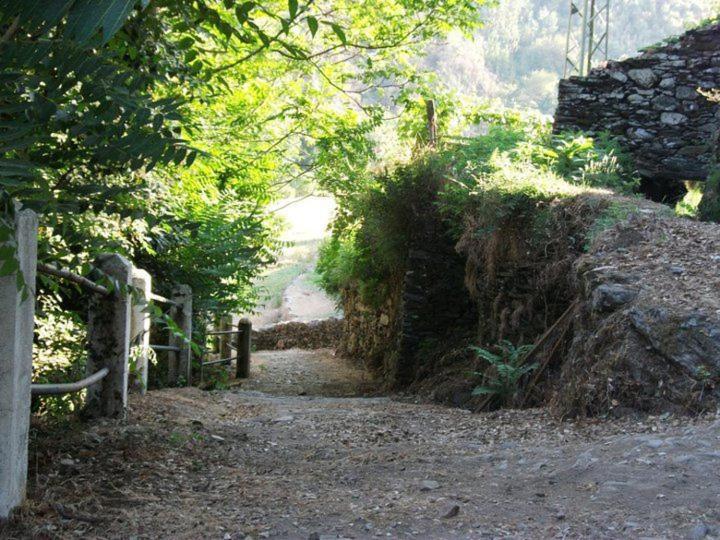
<point x="655" y="104"/>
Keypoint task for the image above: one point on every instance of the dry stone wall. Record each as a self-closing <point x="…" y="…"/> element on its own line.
<point x="320" y="334"/>
<point x="654" y="104"/>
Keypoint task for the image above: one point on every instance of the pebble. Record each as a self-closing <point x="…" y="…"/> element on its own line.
<point x="429" y="485"/>
<point x="454" y="511"/>
<point x="699" y="532"/>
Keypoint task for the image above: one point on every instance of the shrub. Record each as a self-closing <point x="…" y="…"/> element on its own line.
<point x="709" y="208"/>
<point x="591" y="162"/>
<point x="688" y="206"/>
<point x="506" y="175"/>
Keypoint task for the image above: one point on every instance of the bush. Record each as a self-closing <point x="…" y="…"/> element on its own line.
<point x="585" y="161"/>
<point x="371" y="237"/>
<point x="709" y="208"/>
<point x="502" y="176"/>
<point x="689" y="205"/>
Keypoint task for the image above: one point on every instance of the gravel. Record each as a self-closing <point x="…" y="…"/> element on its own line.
<point x="260" y="461"/>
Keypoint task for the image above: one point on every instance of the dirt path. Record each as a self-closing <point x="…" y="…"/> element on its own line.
<point x="248" y="463"/>
<point x="304" y="301"/>
<point x="291" y="283"/>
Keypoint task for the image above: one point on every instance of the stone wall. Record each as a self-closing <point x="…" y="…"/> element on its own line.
<point x="653" y="104"/>
<point x="370" y="333"/>
<point x="321" y="334"/>
<point x="427" y="304"/>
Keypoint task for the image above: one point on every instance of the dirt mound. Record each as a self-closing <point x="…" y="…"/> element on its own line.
<point x="520" y="273"/>
<point x="647" y="330"/>
<point x="322" y="334"/>
<point x="622" y="321"/>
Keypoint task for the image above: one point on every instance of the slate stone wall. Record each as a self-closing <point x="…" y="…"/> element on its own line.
<point x="653" y="103"/>
<point x="426" y="304"/>
<point x="320" y="334"/>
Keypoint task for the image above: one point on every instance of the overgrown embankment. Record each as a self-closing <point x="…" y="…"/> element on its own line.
<point x="509" y="270"/>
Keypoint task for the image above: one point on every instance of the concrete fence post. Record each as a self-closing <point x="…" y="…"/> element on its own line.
<point x="17" y="318"/>
<point x="180" y="363"/>
<point x="140" y="328"/>
<point x="109" y="339"/>
<point x="242" y="369"/>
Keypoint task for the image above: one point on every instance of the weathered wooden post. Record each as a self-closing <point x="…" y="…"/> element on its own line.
<point x="242" y="370"/>
<point x="140" y="328"/>
<point x="109" y="339"/>
<point x="431" y="123"/>
<point x="180" y="362"/>
<point x="17" y="319"/>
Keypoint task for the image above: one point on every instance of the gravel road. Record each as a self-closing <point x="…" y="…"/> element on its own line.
<point x="260" y="461"/>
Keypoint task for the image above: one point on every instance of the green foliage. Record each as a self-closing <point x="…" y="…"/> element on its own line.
<point x="504" y="176"/>
<point x="507" y="366"/>
<point x="216" y="378"/>
<point x="163" y="130"/>
<point x="518" y="58"/>
<point x="688" y="206"/>
<point x="616" y="212"/>
<point x="709" y="206"/>
<point x="373" y="229"/>
<point x="59" y="355"/>
<point x="585" y="161"/>
<point x="337" y="258"/>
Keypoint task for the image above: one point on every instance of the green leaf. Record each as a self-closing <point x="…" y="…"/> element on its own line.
<point x="86" y="17"/>
<point x="242" y="12"/>
<point x="185" y="43"/>
<point x="292" y="8"/>
<point x="339" y="32"/>
<point x="312" y="23"/>
<point x="9" y="267"/>
<point x="115" y="17"/>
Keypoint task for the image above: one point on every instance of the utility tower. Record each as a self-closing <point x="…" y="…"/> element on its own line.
<point x="587" y="36"/>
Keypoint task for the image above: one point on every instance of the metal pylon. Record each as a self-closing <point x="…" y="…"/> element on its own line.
<point x="587" y="36"/>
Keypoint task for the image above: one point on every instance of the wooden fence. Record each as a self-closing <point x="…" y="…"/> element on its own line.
<point x="118" y="319"/>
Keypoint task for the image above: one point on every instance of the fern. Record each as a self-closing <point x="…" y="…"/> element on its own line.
<point x="507" y="367"/>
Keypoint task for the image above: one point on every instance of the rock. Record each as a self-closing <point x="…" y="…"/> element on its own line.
<point x="429" y="485"/>
<point x="640" y="133"/>
<point x="655" y="92"/>
<point x="637" y="99"/>
<point x="686" y="92"/>
<point x="646" y="78"/>
<point x="665" y="103"/>
<point x="454" y="511"/>
<point x="673" y="119"/>
<point x="690" y="341"/>
<point x="699" y="532"/>
<point x="677" y="270"/>
<point x="321" y="334"/>
<point x="610" y="296"/>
